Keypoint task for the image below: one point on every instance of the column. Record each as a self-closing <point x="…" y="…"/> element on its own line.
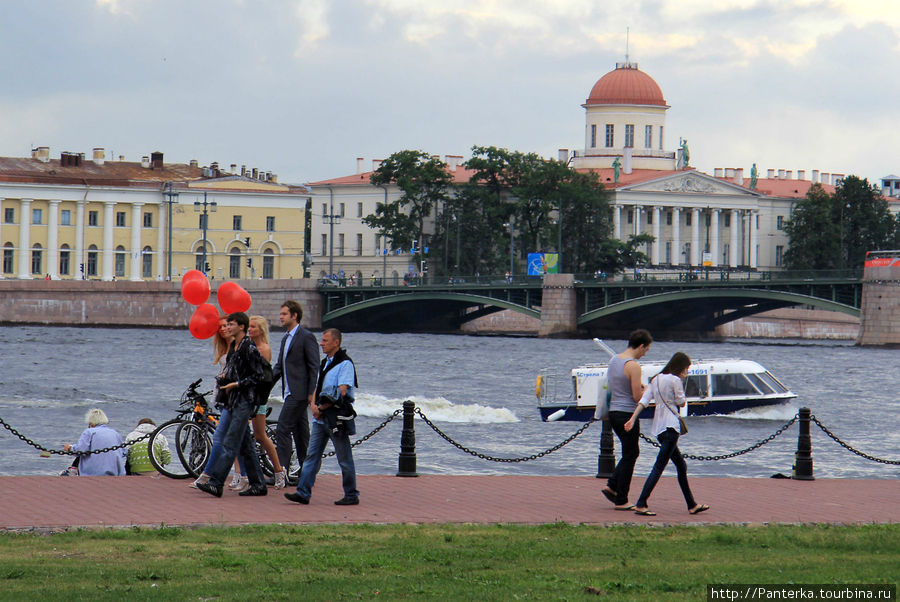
<point x="25" y="238"/>
<point x="735" y="249"/>
<point x="654" y="257"/>
<point x="714" y="237"/>
<point x="676" y="236"/>
<point x="79" y="241"/>
<point x="53" y="240"/>
<point x="637" y="219"/>
<point x="160" y="254"/>
<point x="754" y="242"/>
<point x="695" y="236"/>
<point x="136" y="225"/>
<point x="108" y="251"/>
<point x="617" y="222"/>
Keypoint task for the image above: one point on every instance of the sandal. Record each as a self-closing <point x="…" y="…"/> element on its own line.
<point x="644" y="512"/>
<point x="625" y="508"/>
<point x="609" y="493"/>
<point x="698" y="509"/>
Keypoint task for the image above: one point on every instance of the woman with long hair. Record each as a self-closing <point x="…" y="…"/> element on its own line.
<point x="667" y="390"/>
<point x="259" y="334"/>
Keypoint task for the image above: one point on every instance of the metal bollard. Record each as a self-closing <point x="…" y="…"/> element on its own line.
<point x="803" y="462"/>
<point x="606" y="460"/>
<point x="407" y="460"/>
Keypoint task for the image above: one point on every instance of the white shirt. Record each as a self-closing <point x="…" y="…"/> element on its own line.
<point x="289" y="337"/>
<point x="671" y="389"/>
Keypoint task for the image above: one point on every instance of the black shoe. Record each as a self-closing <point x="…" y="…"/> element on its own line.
<point x="347" y="501"/>
<point x="296" y="497"/>
<point x="211" y="489"/>
<point x="255" y="490"/>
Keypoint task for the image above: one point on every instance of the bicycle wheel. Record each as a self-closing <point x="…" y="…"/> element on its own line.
<point x="194" y="445"/>
<point x="160" y="450"/>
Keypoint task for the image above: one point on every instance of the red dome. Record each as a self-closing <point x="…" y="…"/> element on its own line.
<point x="626" y="86"/>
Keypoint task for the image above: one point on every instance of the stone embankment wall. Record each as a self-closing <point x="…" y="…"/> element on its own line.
<point x="144" y="304"/>
<point x="880" y="312"/>
<point x="793" y="323"/>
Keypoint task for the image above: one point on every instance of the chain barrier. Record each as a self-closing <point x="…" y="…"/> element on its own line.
<point x="494" y="458"/>
<point x="62" y="452"/>
<point x="370" y="435"/>
<point x="747" y="450"/>
<point x="848" y="447"/>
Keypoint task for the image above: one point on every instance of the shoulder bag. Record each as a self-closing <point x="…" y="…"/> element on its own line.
<point x="682" y="425"/>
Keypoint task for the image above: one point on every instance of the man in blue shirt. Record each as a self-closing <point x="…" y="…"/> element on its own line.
<point x="332" y="419"/>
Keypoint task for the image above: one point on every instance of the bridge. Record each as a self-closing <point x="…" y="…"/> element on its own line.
<point x="678" y="303"/>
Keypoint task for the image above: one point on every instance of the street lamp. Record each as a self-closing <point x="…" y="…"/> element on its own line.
<point x="512" y="261"/>
<point x="205" y="208"/>
<point x="171" y="197"/>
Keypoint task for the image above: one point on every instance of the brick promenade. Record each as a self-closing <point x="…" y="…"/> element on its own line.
<point x="57" y="503"/>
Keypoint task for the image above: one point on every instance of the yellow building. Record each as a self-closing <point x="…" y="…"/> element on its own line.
<point x="71" y="218"/>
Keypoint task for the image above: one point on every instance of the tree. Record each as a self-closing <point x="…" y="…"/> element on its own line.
<point x="425" y="182"/>
<point x="813" y="243"/>
<point x="864" y="221"/>
<point x="617" y="256"/>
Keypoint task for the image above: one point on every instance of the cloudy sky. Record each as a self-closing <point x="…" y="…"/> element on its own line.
<point x="303" y="87"/>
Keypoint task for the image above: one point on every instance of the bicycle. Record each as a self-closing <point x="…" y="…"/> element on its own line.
<point x="192" y="437"/>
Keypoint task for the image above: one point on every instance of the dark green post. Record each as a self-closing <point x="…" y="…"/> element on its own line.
<point x="606" y="460"/>
<point x="407" y="459"/>
<point x="803" y="462"/>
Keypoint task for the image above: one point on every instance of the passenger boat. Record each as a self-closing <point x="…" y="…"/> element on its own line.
<point x="719" y="386"/>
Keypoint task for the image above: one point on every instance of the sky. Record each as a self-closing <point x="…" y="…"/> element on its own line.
<point x="304" y="87"/>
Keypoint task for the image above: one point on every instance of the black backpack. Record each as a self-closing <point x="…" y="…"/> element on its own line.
<point x="264" y="387"/>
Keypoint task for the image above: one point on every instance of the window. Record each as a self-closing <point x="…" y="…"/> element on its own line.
<point x="593" y="136"/>
<point x="36" y="216"/>
<point x="669" y="252"/>
<point x="610" y="137"/>
<point x="148" y="220"/>
<point x="340" y="251"/>
<point x="779" y="256"/>
<point x="270" y="223"/>
<point x="688" y="218"/>
<point x="728" y="220"/>
<point x="268" y="264"/>
<point x="359" y="212"/>
<point x="198" y="259"/>
<point x="236" y="222"/>
<point x="629" y="135"/>
<point x="668" y="218"/>
<point x="92" y="260"/>
<point x="687" y="253"/>
<point x="9" y="215"/>
<point x="726" y="251"/>
<point x="324" y="245"/>
<point x="120" y="260"/>
<point x="696" y="385"/>
<point x="648" y="136"/>
<point x="203" y="221"/>
<point x="120" y="219"/>
<point x="147" y="261"/>
<point x="649" y="218"/>
<point x="341" y="212"/>
<point x="359" y="244"/>
<point x="324" y="209"/>
<point x="660" y="137"/>
<point x="64" y="260"/>
<point x="779" y="222"/>
<point x="36" y="256"/>
<point x="65" y="217"/>
<point x="732" y="384"/>
<point x="234" y="263"/>
<point x="8" y="257"/>
<point x="92" y="218"/>
<point x="631" y="216"/>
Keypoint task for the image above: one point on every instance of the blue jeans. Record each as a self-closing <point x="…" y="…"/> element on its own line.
<point x="620" y="481"/>
<point x="668" y="450"/>
<point x="238" y="440"/>
<point x="318" y="438"/>
<point x="219" y="434"/>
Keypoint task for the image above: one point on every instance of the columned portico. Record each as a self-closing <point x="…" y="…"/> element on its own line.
<point x="695" y="236"/>
<point x="676" y="235"/>
<point x="53" y="240"/>
<point x="108" y="251"/>
<point x="714" y="237"/>
<point x="25" y="238"/>
<point x="734" y="252"/>
<point x="136" y="241"/>
<point x="654" y="257"/>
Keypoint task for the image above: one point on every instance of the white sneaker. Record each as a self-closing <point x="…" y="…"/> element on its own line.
<point x="235" y="481"/>
<point x="203" y="478"/>
<point x="280" y="479"/>
<point x="243" y="485"/>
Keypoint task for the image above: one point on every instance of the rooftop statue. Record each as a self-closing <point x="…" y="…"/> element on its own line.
<point x="754" y="176"/>
<point x="617" y="169"/>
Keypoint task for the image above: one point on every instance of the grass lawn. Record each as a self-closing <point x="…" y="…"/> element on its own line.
<point x="483" y="562"/>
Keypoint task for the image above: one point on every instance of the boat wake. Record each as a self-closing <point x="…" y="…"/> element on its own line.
<point x="785" y="412"/>
<point x="437" y="409"/>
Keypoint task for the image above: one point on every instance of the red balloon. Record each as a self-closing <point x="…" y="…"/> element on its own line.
<point x="195" y="291"/>
<point x="232" y="297"/>
<point x="205" y="321"/>
<point x="191" y="274"/>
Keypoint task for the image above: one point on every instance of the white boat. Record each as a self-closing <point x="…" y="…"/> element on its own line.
<point x="718" y="386"/>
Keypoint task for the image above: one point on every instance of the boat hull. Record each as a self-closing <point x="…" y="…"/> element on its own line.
<point x="695" y="408"/>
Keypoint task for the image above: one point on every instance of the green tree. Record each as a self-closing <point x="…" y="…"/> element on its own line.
<point x="616" y="256"/>
<point x="813" y="241"/>
<point x="864" y="221"/>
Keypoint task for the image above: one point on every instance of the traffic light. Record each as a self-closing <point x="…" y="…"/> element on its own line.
<point x="249" y="262"/>
<point x="424" y="267"/>
<point x="206" y="267"/>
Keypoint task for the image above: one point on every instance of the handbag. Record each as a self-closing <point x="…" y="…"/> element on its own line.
<point x="603" y="399"/>
<point x="682" y="425"/>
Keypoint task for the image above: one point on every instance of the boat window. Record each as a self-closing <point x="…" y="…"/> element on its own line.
<point x="773" y="382"/>
<point x="732" y="384"/>
<point x="696" y="386"/>
<point x="760" y="384"/>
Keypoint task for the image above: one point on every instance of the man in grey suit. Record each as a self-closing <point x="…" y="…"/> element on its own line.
<point x="297" y="365"/>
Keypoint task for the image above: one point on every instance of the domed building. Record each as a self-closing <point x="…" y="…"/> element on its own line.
<point x="625" y="117"/>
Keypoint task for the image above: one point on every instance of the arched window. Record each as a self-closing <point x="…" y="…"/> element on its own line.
<point x="92" y="261"/>
<point x="198" y="258"/>
<point x="37" y="255"/>
<point x="147" y="262"/>
<point x="65" y="260"/>
<point x="120" y="261"/>
<point x="268" y="264"/>
<point x="234" y="262"/>
<point x="8" y="258"/>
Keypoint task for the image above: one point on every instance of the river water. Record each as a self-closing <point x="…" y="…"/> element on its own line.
<point x="479" y="390"/>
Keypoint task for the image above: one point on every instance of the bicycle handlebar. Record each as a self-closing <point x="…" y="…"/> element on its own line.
<point x="193" y="386"/>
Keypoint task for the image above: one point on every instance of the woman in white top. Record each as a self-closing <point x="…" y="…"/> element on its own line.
<point x="667" y="390"/>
